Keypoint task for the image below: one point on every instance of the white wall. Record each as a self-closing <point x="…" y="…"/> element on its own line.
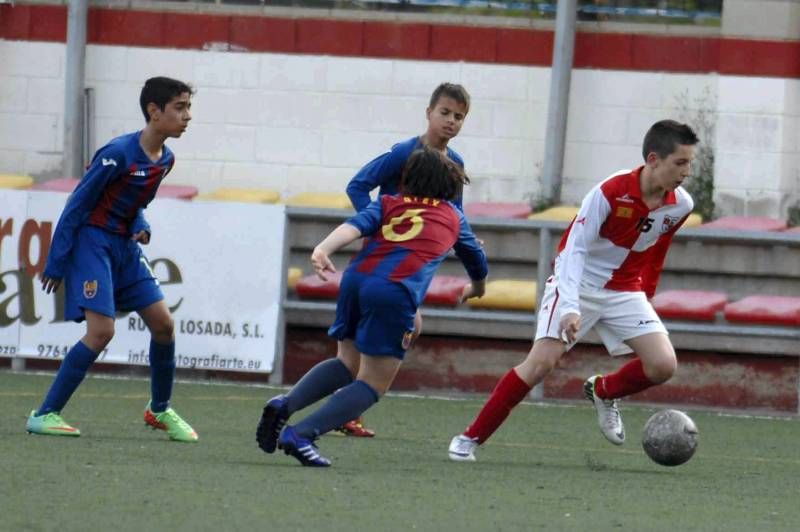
<point x="298" y="123"/>
<point x="768" y="19"/>
<point x="758" y="145"/>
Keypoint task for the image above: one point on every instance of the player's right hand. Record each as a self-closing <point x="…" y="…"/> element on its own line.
<point x="322" y="263"/>
<point x="570" y="325"/>
<point x="142" y="237"/>
<point x="417" y="328"/>
<point x="473" y="289"/>
<point x="50" y="284"/>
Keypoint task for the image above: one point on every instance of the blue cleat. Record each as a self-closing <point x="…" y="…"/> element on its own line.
<point x="273" y="418"/>
<point x="304" y="450"/>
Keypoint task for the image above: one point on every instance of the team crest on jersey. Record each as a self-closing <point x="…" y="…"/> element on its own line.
<point x="408" y="337"/>
<point x="89" y="289"/>
<point x="624" y="212"/>
<point x="668" y="223"/>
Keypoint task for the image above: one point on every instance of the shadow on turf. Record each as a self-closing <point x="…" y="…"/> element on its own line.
<point x="590" y="463"/>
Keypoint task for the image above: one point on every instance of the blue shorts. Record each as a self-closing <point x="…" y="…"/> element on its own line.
<point x="107" y="273"/>
<point x="376" y="313"/>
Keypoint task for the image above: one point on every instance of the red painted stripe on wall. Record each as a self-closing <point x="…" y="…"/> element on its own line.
<point x="328" y="37"/>
<point x="524" y="47"/>
<point x="262" y="34"/>
<point x="613" y="51"/>
<point x="760" y="58"/>
<point x="463" y="43"/>
<point x="125" y="27"/>
<point x="180" y="30"/>
<point x="33" y="23"/>
<point x="397" y="41"/>
<point x="438" y="42"/>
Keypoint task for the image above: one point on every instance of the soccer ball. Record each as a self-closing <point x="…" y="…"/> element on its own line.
<point x="670" y="437"/>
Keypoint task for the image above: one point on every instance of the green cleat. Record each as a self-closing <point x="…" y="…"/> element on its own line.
<point x="169" y="420"/>
<point x="51" y="424"/>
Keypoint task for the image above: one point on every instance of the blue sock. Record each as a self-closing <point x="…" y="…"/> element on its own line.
<point x="70" y="375"/>
<point x="162" y="375"/>
<point x="343" y="406"/>
<point x="320" y="381"/>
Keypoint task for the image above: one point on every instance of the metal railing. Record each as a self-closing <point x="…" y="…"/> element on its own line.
<point x="307" y="226"/>
<point x="632" y="10"/>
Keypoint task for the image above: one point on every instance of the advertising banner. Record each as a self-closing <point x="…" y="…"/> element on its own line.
<point x="219" y="265"/>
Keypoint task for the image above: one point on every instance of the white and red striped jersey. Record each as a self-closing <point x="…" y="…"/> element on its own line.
<point x="615" y="241"/>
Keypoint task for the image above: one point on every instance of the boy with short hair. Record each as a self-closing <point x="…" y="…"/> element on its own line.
<point x="446" y="112"/>
<point x="409" y="235"/>
<point x="96" y="253"/>
<point x="447" y="109"/>
<point x="608" y="265"/>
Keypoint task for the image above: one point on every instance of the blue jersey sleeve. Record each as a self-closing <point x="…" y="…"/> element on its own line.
<point x="469" y="250"/>
<point x="368" y="220"/>
<point x="456" y="158"/>
<point x="383" y="171"/>
<point x="108" y="162"/>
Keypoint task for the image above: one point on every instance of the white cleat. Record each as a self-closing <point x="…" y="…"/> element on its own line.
<point x="462" y="449"/>
<point x="608" y="416"/>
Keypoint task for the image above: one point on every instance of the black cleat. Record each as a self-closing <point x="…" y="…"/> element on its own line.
<point x="273" y="418"/>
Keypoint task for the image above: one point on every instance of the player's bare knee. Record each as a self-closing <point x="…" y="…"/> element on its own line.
<point x="542" y="364"/>
<point x="662" y="369"/>
<point x="97" y="338"/>
<point x="163" y="330"/>
<point x="351" y="365"/>
<point x="541" y="360"/>
<point x="168" y="327"/>
<point x="348" y="354"/>
<point x="380" y="388"/>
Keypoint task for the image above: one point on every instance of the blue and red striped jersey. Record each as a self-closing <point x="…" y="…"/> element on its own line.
<point x="408" y="237"/>
<point x="119" y="183"/>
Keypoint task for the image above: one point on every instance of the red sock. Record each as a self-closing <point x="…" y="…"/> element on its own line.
<point x="506" y="395"/>
<point x="628" y="380"/>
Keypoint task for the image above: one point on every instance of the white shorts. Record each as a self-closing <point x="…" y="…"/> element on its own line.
<point x="615" y="316"/>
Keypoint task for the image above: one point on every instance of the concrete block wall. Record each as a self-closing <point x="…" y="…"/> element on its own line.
<point x="308" y="121"/>
<point x="757" y="164"/>
<point x="771" y="19"/>
<point x="298" y="123"/>
<point x="31" y="117"/>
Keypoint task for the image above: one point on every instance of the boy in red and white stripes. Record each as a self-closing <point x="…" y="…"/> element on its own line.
<point x="607" y="268"/>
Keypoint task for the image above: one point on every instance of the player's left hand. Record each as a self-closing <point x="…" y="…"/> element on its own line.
<point x="50" y="284"/>
<point x="142" y="237"/>
<point x="322" y="263"/>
